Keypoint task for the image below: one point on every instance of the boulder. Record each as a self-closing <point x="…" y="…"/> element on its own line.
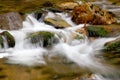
<point x="92" y="14"/>
<point x="10" y="21"/>
<point x="67" y="5"/>
<point x="57" y="22"/>
<point x="43" y="38"/>
<point x="113" y="46"/>
<point x="110" y="7"/>
<point x="10" y="39"/>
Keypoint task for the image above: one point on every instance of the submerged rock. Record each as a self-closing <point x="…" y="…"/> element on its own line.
<point x="6" y="36"/>
<point x="57" y="22"/>
<point x="67" y="5"/>
<point x="10" y="39"/>
<point x="89" y="13"/>
<point x="43" y="38"/>
<point x="113" y="46"/>
<point x="10" y="21"/>
<point x="38" y="14"/>
<point x="80" y="33"/>
<point x="1" y="41"/>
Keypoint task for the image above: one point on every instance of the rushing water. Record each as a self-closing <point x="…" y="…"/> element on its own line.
<point x="80" y="52"/>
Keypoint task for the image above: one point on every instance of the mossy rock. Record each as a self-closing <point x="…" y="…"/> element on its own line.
<point x="97" y="31"/>
<point x="10" y="39"/>
<point x="113" y="46"/>
<point x="1" y="41"/>
<point x="38" y="14"/>
<point x="43" y="38"/>
<point x="78" y="37"/>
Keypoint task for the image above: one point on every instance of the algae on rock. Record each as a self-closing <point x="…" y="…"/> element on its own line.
<point x="97" y="31"/>
<point x="10" y="39"/>
<point x="1" y="41"/>
<point x="113" y="46"/>
<point x="43" y="38"/>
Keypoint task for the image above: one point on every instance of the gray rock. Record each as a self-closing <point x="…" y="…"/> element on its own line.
<point x="10" y="21"/>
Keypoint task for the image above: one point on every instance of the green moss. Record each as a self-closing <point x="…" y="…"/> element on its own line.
<point x="113" y="46"/>
<point x="45" y="37"/>
<point x="10" y="39"/>
<point x="78" y="37"/>
<point x="112" y="52"/>
<point x="1" y="41"/>
<point x="97" y="31"/>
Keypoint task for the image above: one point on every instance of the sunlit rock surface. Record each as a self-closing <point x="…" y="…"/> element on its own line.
<point x="67" y="5"/>
<point x="92" y="14"/>
<point x="57" y="22"/>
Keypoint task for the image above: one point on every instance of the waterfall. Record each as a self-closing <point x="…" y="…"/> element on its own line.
<point x="81" y="53"/>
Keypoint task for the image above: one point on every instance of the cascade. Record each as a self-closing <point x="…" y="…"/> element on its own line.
<point x="81" y="53"/>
